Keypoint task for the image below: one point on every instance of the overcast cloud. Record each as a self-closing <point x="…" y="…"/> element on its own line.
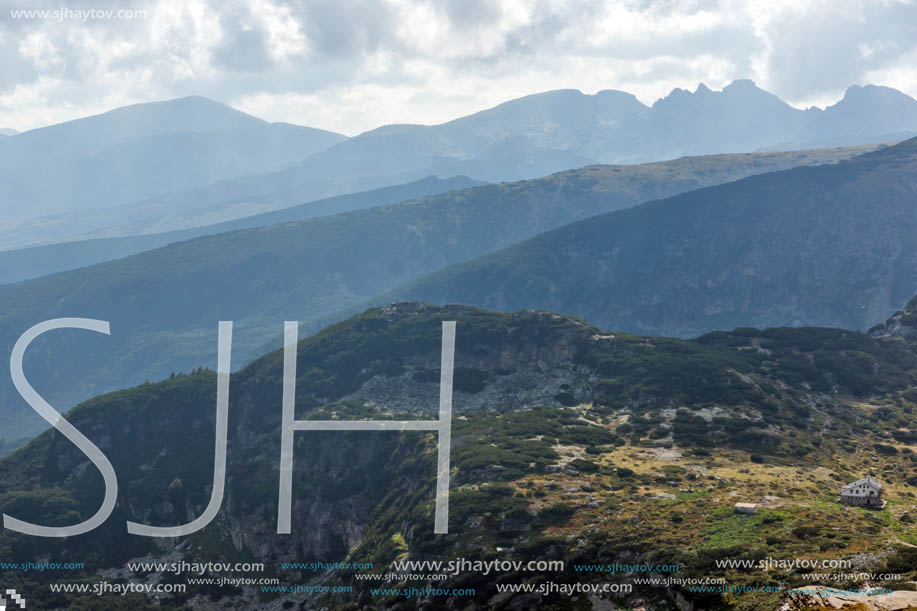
<point x="350" y="65"/>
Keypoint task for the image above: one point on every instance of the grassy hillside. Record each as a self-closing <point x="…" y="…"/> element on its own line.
<point x="163" y="305"/>
<point x="569" y="443"/>
<point x="833" y="245"/>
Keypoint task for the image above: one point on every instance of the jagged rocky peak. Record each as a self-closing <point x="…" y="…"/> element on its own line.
<point x="865" y="93"/>
<point x="742" y="89"/>
<point x="742" y="84"/>
<point x="902" y="323"/>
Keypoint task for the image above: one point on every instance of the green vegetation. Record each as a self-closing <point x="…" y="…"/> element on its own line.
<point x="754" y="252"/>
<point x="654" y="468"/>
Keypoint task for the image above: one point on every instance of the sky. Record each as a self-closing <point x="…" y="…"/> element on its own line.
<point x="351" y="65"/>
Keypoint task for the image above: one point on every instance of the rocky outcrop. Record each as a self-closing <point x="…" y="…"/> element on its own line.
<point x="902" y="323"/>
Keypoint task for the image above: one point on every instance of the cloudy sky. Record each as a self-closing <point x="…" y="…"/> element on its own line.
<point x="350" y="65"/>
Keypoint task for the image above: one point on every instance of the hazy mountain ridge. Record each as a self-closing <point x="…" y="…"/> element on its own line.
<point x="833" y="246"/>
<point x="524" y="138"/>
<point x="557" y="130"/>
<point x="888" y="110"/>
<point x="37" y="261"/>
<point x="136" y="152"/>
<point x="614" y="127"/>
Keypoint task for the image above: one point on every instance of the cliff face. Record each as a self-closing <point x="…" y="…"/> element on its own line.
<point x="530" y="365"/>
<point x="901" y="324"/>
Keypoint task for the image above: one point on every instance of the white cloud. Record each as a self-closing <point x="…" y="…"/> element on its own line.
<point x="38" y="47"/>
<point x="285" y="39"/>
<point x="352" y="65"/>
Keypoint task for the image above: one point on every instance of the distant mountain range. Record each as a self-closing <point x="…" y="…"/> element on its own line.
<point x="193" y="162"/>
<point x="863" y="112"/>
<point x="557" y="130"/>
<point x="164" y="304"/>
<point x="27" y="263"/>
<point x="535" y="133"/>
<point x="140" y="151"/>
<point x="834" y="245"/>
<point x="6" y="131"/>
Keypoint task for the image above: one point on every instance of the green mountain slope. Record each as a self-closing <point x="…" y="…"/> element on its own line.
<point x="568" y="443"/>
<point x="163" y="304"/>
<point x="833" y="245"/>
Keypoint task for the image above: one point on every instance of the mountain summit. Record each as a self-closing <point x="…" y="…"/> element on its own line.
<point x="192" y="114"/>
<point x="738" y="118"/>
<point x="865" y="110"/>
<point x="137" y="152"/>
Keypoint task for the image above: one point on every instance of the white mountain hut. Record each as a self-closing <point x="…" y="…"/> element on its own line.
<point x="865" y="492"/>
